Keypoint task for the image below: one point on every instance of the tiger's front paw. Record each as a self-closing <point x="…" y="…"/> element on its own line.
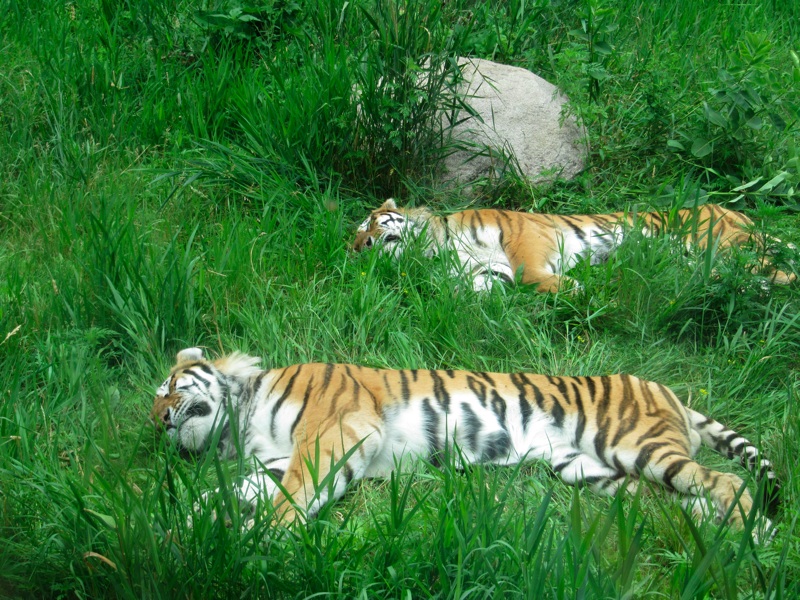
<point x="215" y="506"/>
<point x="486" y="277"/>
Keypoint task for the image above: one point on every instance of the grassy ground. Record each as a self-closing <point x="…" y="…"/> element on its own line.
<point x="183" y="173"/>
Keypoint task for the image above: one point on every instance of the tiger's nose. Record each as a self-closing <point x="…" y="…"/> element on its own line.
<point x="161" y="418"/>
<point x="166" y="421"/>
<point x="363" y="240"/>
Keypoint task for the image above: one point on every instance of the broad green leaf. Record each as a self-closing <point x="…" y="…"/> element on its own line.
<point x="579" y="34"/>
<point x="596" y="71"/>
<point x="770" y="185"/>
<point x="714" y="116"/>
<point x="777" y="121"/>
<point x="755" y="122"/>
<point x="107" y="520"/>
<point x="603" y="48"/>
<point x="701" y="147"/>
<point x="675" y="144"/>
<point x="748" y="185"/>
<point x="724" y="76"/>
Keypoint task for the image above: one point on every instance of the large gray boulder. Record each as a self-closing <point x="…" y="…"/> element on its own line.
<point x="520" y="125"/>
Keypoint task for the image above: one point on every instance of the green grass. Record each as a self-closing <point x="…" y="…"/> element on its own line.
<point x="181" y="173"/>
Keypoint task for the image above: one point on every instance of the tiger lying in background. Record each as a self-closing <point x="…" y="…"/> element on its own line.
<point x="494" y="244"/>
<point x="605" y="432"/>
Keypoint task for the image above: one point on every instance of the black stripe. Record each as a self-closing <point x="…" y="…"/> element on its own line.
<point x="579" y="429"/>
<point x="656" y="429"/>
<point x="730" y="437"/>
<point x="590" y="386"/>
<point x="471" y="427"/>
<point x="575" y="384"/>
<point x="478" y="388"/>
<point x="499" y="408"/>
<point x="646" y="454"/>
<point x="537" y="393"/>
<point x="525" y="410"/>
<point x="257" y="383"/>
<point x="279" y="401"/>
<point x="484" y="375"/>
<point x="333" y="398"/>
<point x="558" y="412"/>
<point x="197" y="409"/>
<point x="328" y="374"/>
<point x="705" y="423"/>
<point x="601" y="417"/>
<point x="439" y="391"/>
<point x="500" y="275"/>
<point x="196" y="378"/>
<point x="569" y="459"/>
<point x="628" y="413"/>
<point x="575" y="228"/>
<point x="404" y="388"/>
<point x="591" y="479"/>
<point x="497" y="445"/>
<point x="558" y="382"/>
<point x="348" y="473"/>
<point x="204" y="367"/>
<point x="430" y="425"/>
<point x="302" y="406"/>
<point x="671" y="471"/>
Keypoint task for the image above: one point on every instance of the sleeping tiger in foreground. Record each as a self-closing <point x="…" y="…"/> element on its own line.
<point x="495" y="244"/>
<point x="605" y="432"/>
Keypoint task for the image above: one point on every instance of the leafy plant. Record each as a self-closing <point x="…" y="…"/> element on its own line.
<point x="262" y="24"/>
<point x="747" y="122"/>
<point x="597" y="23"/>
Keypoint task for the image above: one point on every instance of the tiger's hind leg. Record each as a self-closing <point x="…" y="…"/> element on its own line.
<point x="582" y="469"/>
<point x="772" y="246"/>
<point x="689" y="478"/>
<point x="702" y="510"/>
<point x="776" y="276"/>
<point x="698" y="506"/>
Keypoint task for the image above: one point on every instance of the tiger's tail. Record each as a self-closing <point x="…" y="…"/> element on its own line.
<point x="731" y="444"/>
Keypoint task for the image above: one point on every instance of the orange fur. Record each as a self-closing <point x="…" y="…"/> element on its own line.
<point x="606" y="432"/>
<point x="499" y="243"/>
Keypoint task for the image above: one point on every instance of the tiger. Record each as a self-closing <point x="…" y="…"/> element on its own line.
<point x="604" y="432"/>
<point x="495" y="245"/>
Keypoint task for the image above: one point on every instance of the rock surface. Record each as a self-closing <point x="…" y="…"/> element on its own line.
<point x="519" y="126"/>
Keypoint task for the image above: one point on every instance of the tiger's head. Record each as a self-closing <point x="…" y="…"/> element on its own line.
<point x="390" y="229"/>
<point x="193" y="399"/>
<point x="384" y="228"/>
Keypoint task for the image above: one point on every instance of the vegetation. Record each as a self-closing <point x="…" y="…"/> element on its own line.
<point x="178" y="173"/>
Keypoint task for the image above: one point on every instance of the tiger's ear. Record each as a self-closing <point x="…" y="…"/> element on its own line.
<point x="389" y="204"/>
<point x="190" y="354"/>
